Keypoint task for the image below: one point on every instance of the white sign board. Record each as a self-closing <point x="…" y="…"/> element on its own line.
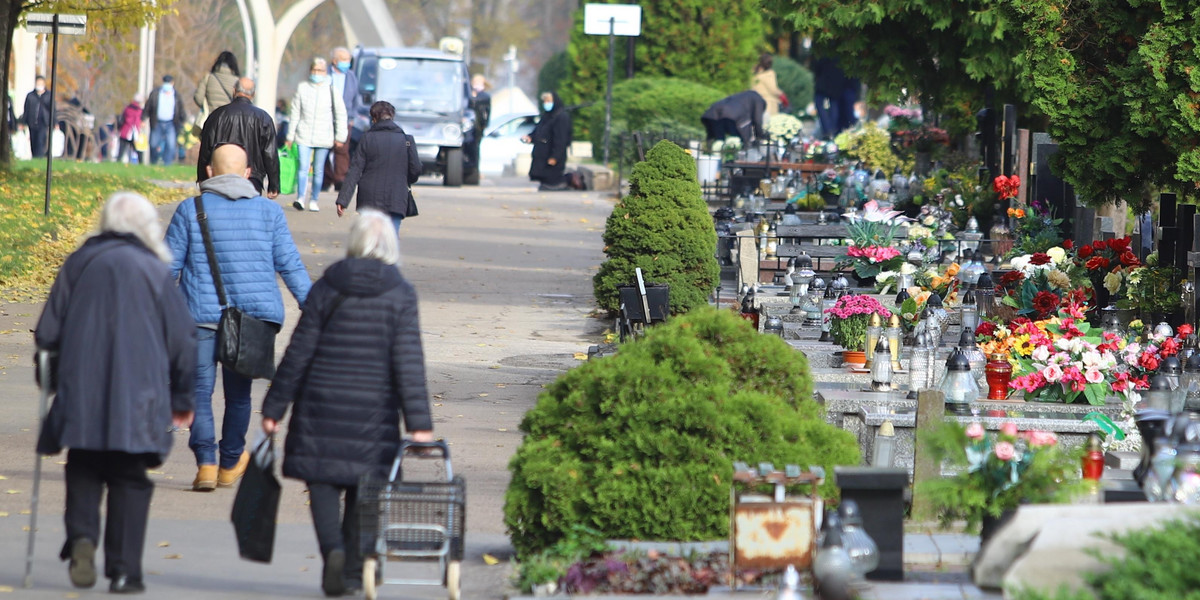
<point x="624" y="19"/>
<point x="67" y="24"/>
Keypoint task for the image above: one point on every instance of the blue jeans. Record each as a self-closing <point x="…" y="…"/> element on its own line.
<point x="306" y="156"/>
<point x="396" y="220"/>
<point x="162" y="142"/>
<point x="237" y="407"/>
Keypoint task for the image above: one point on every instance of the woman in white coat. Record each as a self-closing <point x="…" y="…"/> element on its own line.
<point x="318" y="123"/>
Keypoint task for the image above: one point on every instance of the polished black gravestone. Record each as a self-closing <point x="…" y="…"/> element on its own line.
<point x="879" y="493"/>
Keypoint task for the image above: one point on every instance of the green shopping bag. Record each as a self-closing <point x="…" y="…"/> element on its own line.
<point x="289" y="163"/>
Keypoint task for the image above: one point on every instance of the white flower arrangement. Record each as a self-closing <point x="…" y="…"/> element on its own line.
<point x="783" y="126"/>
<point x="730" y="143"/>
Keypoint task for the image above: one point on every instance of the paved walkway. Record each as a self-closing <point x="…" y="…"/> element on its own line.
<point x="504" y="277"/>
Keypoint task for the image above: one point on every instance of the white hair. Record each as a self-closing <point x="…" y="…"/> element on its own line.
<point x="132" y="213"/>
<point x="373" y="235"/>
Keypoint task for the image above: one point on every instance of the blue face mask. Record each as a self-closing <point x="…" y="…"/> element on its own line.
<point x="343" y="66"/>
<point x="548" y="106"/>
<point x="316" y="78"/>
<point x="168" y="85"/>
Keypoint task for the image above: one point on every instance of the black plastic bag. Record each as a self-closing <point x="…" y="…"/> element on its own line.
<point x="256" y="505"/>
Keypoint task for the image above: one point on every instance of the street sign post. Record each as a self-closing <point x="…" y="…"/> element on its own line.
<point x="55" y="25"/>
<point x="611" y="20"/>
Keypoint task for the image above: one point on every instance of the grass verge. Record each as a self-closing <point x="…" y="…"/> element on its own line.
<point x="33" y="245"/>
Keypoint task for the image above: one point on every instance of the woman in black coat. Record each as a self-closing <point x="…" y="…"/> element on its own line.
<point x="354" y="365"/>
<point x="384" y="168"/>
<point x="127" y="360"/>
<point x="550" y="138"/>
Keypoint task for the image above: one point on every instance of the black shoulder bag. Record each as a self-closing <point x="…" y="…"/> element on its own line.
<point x="244" y="344"/>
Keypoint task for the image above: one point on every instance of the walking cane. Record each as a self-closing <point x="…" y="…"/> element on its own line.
<point x="43" y="376"/>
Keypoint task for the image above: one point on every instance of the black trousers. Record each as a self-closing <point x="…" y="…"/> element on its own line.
<point x="38" y="137"/>
<point x="337" y="529"/>
<point x="129" y="492"/>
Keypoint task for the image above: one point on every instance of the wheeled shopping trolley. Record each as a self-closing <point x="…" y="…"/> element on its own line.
<point x="404" y="520"/>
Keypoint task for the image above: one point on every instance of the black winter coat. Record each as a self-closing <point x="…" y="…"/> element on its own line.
<point x="241" y="122"/>
<point x="383" y="168"/>
<point x="551" y="139"/>
<point x="745" y="109"/>
<point x="127" y="350"/>
<point x="351" y="370"/>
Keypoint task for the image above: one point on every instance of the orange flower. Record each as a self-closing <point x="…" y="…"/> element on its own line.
<point x="952" y="270"/>
<point x="1020" y="213"/>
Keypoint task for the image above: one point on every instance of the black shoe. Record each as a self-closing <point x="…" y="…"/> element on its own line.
<point x="298" y="205"/>
<point x="333" y="581"/>
<point x="82" y="569"/>
<point x="122" y="584"/>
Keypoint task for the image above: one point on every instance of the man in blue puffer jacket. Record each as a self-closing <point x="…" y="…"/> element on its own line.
<point x="252" y="242"/>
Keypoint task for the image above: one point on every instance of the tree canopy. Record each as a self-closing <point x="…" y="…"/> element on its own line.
<point x="103" y="16"/>
<point x="713" y="42"/>
<point x="946" y="52"/>
<point x="1120" y="82"/>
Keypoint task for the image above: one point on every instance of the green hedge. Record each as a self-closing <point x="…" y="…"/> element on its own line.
<point x="641" y="444"/>
<point x="796" y="81"/>
<point x="663" y="227"/>
<point x="649" y="104"/>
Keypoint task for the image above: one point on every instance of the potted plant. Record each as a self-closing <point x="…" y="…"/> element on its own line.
<point x="996" y="472"/>
<point x="1153" y="290"/>
<point x="848" y="323"/>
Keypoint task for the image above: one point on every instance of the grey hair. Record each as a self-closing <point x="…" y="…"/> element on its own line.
<point x="130" y="212"/>
<point x="238" y="88"/>
<point x="339" y="49"/>
<point x="374" y="236"/>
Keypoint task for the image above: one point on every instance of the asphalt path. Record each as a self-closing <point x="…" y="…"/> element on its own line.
<point x="504" y="278"/>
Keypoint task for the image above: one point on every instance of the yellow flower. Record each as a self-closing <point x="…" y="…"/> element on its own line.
<point x="1022" y="344"/>
<point x="1112" y="282"/>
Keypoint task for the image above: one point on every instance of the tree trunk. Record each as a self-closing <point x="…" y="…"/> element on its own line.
<point x="10" y="10"/>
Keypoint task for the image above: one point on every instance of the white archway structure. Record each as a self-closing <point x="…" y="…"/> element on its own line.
<point x="366" y="21"/>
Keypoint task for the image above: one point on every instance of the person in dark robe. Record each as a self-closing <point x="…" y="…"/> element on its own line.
<point x="550" y="139"/>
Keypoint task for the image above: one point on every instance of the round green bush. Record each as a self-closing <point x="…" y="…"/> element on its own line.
<point x="796" y="81"/>
<point x="650" y="104"/>
<point x="641" y="444"/>
<point x="662" y="226"/>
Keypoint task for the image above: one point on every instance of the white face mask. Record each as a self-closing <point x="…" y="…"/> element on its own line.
<point x="40" y="88"/>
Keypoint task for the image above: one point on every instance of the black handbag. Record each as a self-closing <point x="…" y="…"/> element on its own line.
<point x="256" y="505"/>
<point x="245" y="345"/>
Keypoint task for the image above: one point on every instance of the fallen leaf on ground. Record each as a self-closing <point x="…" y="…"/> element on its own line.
<point x="580" y="356"/>
<point x="164" y="544"/>
<point x="3" y="514"/>
<point x="484" y="395"/>
<point x="7" y="589"/>
<point x="2" y="478"/>
<point x="13" y="492"/>
<point x="173" y="556"/>
<point x="502" y="429"/>
<point x="24" y="512"/>
<point x="489" y="560"/>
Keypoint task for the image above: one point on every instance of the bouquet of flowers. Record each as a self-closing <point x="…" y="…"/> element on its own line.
<point x="1006" y="187"/>
<point x="994" y="338"/>
<point x="728" y="147"/>
<point x="1043" y="281"/>
<point x="871" y="234"/>
<point x="997" y="471"/>
<point x="783" y="126"/>
<point x="1063" y="359"/>
<point x="1109" y="263"/>
<point x="849" y="319"/>
<point x="901" y="119"/>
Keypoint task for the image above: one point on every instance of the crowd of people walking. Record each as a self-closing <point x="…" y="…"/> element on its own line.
<point x="160" y="304"/>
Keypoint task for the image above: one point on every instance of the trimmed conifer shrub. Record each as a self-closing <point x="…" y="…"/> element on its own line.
<point x="662" y="226"/>
<point x="641" y="444"/>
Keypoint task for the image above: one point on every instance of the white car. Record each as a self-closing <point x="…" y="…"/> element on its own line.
<point x="502" y="149"/>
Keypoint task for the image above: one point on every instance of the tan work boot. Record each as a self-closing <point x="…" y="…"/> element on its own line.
<point x="228" y="477"/>
<point x="206" y="479"/>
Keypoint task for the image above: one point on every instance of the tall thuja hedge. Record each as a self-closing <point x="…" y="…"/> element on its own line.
<point x="651" y="104"/>
<point x="712" y="42"/>
<point x="641" y="444"/>
<point x="662" y="226"/>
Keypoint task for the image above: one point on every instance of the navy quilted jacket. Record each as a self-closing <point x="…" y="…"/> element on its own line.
<point x="252" y="243"/>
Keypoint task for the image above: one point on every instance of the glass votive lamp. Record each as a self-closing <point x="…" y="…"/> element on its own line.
<point x="874" y="332"/>
<point x="958" y="384"/>
<point x="894" y="333"/>
<point x="827" y="304"/>
<point x="1158" y="396"/>
<point x="1189" y="380"/>
<point x="881" y="368"/>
